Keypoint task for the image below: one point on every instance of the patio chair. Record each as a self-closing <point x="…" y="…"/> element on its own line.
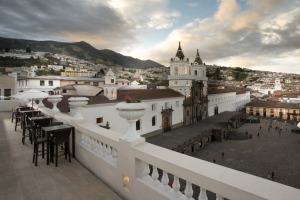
<point x="28" y="124"/>
<point x="18" y="116"/>
<point x="58" y="138"/>
<point x="37" y="141"/>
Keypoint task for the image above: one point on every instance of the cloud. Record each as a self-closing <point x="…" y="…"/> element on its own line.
<point x="264" y="33"/>
<point x="65" y="21"/>
<point x="227" y="9"/>
<point x="146" y="14"/>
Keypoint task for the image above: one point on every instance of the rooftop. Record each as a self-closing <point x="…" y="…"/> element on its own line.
<point x="20" y="179"/>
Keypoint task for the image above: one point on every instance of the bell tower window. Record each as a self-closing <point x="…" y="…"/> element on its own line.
<point x="176" y="70"/>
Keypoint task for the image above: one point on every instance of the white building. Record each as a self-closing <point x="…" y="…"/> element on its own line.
<point x="190" y="80"/>
<point x="182" y="73"/>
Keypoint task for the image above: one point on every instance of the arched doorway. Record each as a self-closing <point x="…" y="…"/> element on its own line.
<point x="167" y="124"/>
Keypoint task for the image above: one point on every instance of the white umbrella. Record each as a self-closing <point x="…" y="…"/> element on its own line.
<point x="31" y="94"/>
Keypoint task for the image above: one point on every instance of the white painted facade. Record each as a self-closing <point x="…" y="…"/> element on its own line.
<point x="241" y="100"/>
<point x="222" y="102"/>
<point x="183" y="73"/>
<point x="109" y="114"/>
<point x="46" y="84"/>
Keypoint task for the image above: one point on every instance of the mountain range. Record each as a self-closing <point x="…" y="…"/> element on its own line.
<point x="81" y="50"/>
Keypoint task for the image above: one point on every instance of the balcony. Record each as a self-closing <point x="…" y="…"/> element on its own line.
<point x="133" y="169"/>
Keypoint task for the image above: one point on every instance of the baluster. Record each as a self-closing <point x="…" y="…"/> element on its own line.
<point x="188" y="190"/>
<point x="176" y="186"/>
<point x="155" y="175"/>
<point x="103" y="149"/>
<point x="114" y="155"/>
<point x="88" y="141"/>
<point x="109" y="153"/>
<point x="146" y="172"/>
<point x="203" y="195"/>
<point x="165" y="180"/>
<point x="218" y="197"/>
<point x="97" y="147"/>
<point x="92" y="140"/>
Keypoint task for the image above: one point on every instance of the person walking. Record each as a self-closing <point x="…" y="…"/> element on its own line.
<point x="273" y="175"/>
<point x="269" y="175"/>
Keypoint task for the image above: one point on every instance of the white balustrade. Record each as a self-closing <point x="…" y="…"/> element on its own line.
<point x="104" y="151"/>
<point x="203" y="195"/>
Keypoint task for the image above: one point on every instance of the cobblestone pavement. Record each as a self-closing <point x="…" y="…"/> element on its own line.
<point x="270" y="151"/>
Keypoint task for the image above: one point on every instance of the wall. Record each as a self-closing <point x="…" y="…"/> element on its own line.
<point x="28" y="84"/>
<point x="110" y="114"/>
<point x="124" y="166"/>
<point x="6" y="105"/>
<point x="224" y="101"/>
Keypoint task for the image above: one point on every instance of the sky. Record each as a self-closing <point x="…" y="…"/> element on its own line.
<point x="255" y="34"/>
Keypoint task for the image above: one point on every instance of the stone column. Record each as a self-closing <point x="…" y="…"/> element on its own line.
<point x="76" y="104"/>
<point x="54" y="99"/>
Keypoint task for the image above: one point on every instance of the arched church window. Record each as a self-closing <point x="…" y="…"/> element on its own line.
<point x="153" y="121"/>
<point x="112" y="94"/>
<point x="138" y="125"/>
<point x="176" y="70"/>
<point x="195" y="72"/>
<point x="186" y="70"/>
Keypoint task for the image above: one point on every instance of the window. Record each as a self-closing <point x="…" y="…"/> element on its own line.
<point x="187" y="113"/>
<point x="99" y="120"/>
<point x="50" y="83"/>
<point x="176" y="70"/>
<point x="87" y="83"/>
<point x="95" y="84"/>
<point x="153" y="121"/>
<point x="195" y="72"/>
<point x="177" y="103"/>
<point x="167" y="105"/>
<point x="64" y="91"/>
<point x="42" y="83"/>
<point x="7" y="93"/>
<point x="154" y="107"/>
<point x="216" y="111"/>
<point x="112" y="94"/>
<point x="186" y="70"/>
<point x="138" y="125"/>
<point x="112" y="80"/>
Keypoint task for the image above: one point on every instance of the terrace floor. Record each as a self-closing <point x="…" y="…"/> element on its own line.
<point x="21" y="180"/>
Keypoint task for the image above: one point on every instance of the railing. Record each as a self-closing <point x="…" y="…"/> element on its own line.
<point x="139" y="170"/>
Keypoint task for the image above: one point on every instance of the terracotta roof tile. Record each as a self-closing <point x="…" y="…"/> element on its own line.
<point x="270" y="104"/>
<point x="142" y="94"/>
